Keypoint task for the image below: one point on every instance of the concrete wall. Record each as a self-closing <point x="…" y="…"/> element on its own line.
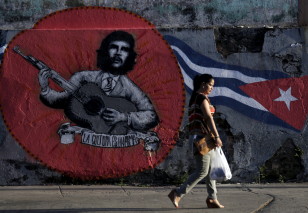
<point x="250" y="36"/>
<point x="23" y="14"/>
<point x="302" y="16"/>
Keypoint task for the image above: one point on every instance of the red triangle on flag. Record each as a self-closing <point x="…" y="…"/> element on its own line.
<point x="286" y="98"/>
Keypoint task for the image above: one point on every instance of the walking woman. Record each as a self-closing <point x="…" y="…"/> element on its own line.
<point x="201" y="123"/>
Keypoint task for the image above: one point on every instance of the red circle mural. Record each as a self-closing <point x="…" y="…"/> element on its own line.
<point x="81" y="137"/>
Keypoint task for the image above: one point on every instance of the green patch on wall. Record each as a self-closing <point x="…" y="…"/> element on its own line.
<point x="77" y="3"/>
<point x="239" y="40"/>
<point x="284" y="166"/>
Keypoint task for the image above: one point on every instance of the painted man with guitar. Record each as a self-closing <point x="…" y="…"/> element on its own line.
<point x="102" y="102"/>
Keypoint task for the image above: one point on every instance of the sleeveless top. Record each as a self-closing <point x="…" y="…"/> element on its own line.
<point x="197" y="124"/>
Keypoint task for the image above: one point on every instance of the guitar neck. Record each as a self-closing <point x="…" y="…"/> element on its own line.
<point x="69" y="87"/>
<point x="58" y="79"/>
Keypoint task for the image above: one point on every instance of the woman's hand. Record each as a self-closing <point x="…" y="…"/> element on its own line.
<point x="218" y="142"/>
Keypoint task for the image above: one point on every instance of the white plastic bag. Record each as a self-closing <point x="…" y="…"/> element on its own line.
<point x="220" y="169"/>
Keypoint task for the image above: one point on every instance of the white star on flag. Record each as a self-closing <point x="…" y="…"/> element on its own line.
<point x="286" y="97"/>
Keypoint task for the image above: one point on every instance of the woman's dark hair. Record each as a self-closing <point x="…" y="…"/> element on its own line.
<point x="199" y="79"/>
<point x="103" y="60"/>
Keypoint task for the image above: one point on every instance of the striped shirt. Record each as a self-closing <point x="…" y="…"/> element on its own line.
<point x="197" y="124"/>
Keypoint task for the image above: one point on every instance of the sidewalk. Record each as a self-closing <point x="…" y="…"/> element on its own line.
<point x="237" y="198"/>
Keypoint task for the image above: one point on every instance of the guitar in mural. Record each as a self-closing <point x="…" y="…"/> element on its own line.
<point x="106" y="107"/>
<point x="87" y="103"/>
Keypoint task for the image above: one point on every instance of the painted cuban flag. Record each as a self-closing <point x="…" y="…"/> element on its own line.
<point x="269" y="96"/>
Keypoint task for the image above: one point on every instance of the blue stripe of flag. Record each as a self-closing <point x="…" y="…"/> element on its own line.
<point x="205" y="61"/>
<point x="259" y="115"/>
<point x="232" y="84"/>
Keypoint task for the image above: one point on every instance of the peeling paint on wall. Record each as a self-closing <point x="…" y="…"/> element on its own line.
<point x="284" y="165"/>
<point x="236" y="40"/>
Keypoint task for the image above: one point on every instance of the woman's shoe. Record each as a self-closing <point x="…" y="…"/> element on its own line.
<point x="175" y="199"/>
<point x="213" y="203"/>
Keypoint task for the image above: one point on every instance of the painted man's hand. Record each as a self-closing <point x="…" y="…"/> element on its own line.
<point x="112" y="116"/>
<point x="44" y="75"/>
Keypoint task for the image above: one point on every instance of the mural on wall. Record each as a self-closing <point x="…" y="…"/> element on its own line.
<point x="269" y="96"/>
<point x="91" y="95"/>
<point x="105" y="101"/>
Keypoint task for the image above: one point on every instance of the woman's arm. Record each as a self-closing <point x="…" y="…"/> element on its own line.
<point x="205" y="107"/>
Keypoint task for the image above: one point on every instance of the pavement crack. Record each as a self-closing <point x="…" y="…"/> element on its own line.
<point x="60" y="189"/>
<point x="262" y="206"/>
<point x="246" y="188"/>
<point x="266" y="204"/>
<point x="126" y="192"/>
